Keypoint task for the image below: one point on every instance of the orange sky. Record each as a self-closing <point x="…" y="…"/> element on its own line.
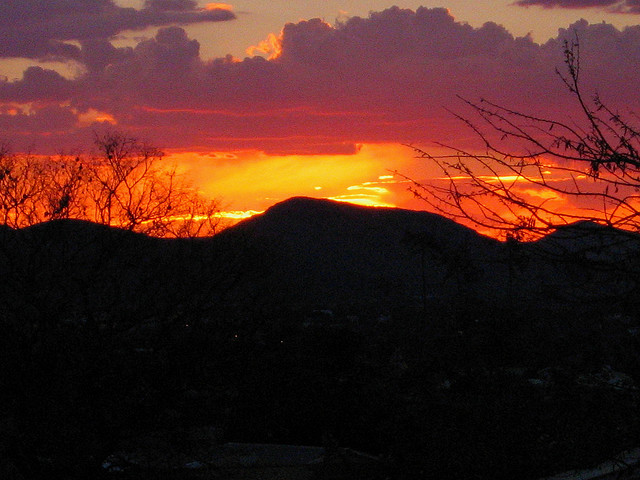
<point x="253" y="181"/>
<point x="247" y="183"/>
<point x="323" y="107"/>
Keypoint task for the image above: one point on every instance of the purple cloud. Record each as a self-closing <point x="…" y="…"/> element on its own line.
<point x="37" y="85"/>
<point x="616" y="6"/>
<point x="36" y="29"/>
<point x="388" y="78"/>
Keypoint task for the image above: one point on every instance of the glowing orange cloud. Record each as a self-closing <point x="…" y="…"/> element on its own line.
<point x="218" y="6"/>
<point x="92" y="116"/>
<point x="270" y="46"/>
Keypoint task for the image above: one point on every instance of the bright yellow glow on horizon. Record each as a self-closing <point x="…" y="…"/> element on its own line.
<point x="362" y="200"/>
<point x="253" y="181"/>
<point x="238" y="214"/>
<point x="247" y="182"/>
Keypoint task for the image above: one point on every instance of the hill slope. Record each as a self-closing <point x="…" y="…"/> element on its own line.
<point x="331" y="253"/>
<point x="310" y="253"/>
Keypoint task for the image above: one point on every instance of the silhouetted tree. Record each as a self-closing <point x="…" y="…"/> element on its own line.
<point x="126" y="184"/>
<point x="133" y="189"/>
<point x="64" y="193"/>
<point x="21" y="188"/>
<point x="596" y="164"/>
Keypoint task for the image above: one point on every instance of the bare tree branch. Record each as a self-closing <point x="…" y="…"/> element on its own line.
<point x="530" y="163"/>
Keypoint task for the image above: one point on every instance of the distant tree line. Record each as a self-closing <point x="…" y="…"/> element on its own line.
<point x="126" y="184"/>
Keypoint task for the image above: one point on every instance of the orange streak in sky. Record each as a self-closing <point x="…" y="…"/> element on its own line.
<point x="218" y="6"/>
<point x="248" y="182"/>
<point x="269" y="113"/>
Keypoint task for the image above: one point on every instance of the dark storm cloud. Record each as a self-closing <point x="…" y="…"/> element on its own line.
<point x="42" y="29"/>
<point x="388" y="78"/>
<point x="617" y="6"/>
<point x="37" y="85"/>
<point x="172" y="5"/>
<point x="97" y="53"/>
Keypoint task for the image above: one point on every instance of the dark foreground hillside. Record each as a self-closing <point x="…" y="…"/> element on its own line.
<point x="400" y="344"/>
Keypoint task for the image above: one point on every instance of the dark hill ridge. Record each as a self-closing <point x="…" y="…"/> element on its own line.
<point x="114" y="342"/>
<point x="326" y="253"/>
<point x="309" y="216"/>
<point x="301" y="252"/>
<point x="333" y="253"/>
<point x="81" y="271"/>
<point x="308" y="253"/>
<point x="591" y="240"/>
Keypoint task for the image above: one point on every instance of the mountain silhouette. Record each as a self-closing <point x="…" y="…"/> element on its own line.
<point x="308" y="253"/>
<point x="288" y="324"/>
<point x="331" y="253"/>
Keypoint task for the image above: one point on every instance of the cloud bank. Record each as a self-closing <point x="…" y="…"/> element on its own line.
<point x="614" y="6"/>
<point x="46" y="30"/>
<point x="391" y="77"/>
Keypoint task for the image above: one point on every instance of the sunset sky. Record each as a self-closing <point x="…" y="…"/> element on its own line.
<point x="262" y="100"/>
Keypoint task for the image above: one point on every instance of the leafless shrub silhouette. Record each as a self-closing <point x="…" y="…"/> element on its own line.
<point x="528" y="162"/>
<point x="131" y="188"/>
<point x="21" y="189"/>
<point x="125" y="184"/>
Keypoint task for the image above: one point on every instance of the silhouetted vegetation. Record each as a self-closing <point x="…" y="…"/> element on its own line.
<point x="529" y="379"/>
<point x="125" y="183"/>
<point x="440" y="353"/>
<point x="484" y="402"/>
<point x="112" y="340"/>
<point x="592" y="162"/>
